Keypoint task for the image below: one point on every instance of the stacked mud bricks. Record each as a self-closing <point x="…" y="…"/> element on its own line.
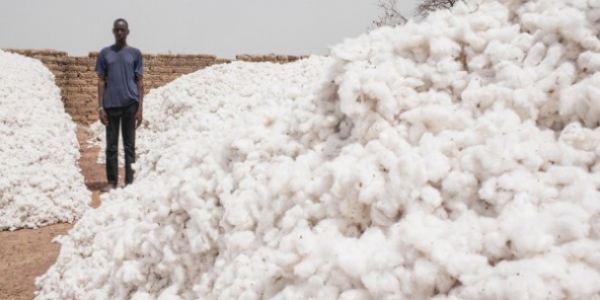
<point x="268" y="58"/>
<point x="77" y="80"/>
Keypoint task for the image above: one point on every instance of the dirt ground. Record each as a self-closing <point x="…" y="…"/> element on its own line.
<point x="28" y="253"/>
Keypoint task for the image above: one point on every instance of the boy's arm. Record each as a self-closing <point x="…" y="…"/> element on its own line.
<point x="140" y="112"/>
<point x="101" y="90"/>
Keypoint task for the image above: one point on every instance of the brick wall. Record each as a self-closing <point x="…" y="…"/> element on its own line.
<point x="77" y="80"/>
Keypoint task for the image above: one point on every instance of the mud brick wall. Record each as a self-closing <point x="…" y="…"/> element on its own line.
<point x="269" y="58"/>
<point x="76" y="78"/>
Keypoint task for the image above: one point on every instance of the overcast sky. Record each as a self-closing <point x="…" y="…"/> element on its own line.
<point x="219" y="27"/>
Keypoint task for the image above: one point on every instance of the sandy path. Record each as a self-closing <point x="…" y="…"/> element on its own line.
<point x="28" y="253"/>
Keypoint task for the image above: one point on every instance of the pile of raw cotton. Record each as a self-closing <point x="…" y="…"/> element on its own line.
<point x="40" y="182"/>
<point x="454" y="158"/>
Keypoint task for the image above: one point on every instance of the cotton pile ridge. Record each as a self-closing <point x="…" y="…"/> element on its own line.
<point x="40" y="182"/>
<point x="453" y="158"/>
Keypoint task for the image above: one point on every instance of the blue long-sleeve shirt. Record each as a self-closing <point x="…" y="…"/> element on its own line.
<point x="121" y="68"/>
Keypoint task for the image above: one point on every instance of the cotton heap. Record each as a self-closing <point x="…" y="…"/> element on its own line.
<point x="40" y="183"/>
<point x="453" y="158"/>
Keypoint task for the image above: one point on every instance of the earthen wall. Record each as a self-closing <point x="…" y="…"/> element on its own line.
<point x="77" y="80"/>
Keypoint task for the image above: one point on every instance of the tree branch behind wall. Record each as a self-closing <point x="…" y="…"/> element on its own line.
<point x="427" y="6"/>
<point x="390" y="16"/>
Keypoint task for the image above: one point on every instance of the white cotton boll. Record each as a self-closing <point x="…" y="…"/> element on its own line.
<point x="530" y="102"/>
<point x="561" y="77"/>
<point x="291" y="217"/>
<point x="372" y="129"/>
<point x="169" y="294"/>
<point x="551" y="61"/>
<point x="238" y="215"/>
<point x="431" y="196"/>
<point x="371" y="184"/>
<point x="479" y="99"/>
<point x="458" y="86"/>
<point x="433" y="117"/>
<point x="525" y="230"/>
<point x="488" y="17"/>
<point x="573" y="103"/>
<point x="569" y="222"/>
<point x="535" y="278"/>
<point x="585" y="250"/>
<point x="506" y="35"/>
<point x="488" y="160"/>
<point x="580" y="138"/>
<point x="414" y="47"/>
<point x="306" y="241"/>
<point x="441" y="46"/>
<point x="523" y="40"/>
<point x="462" y="184"/>
<point x="520" y="285"/>
<point x="567" y="229"/>
<point x="449" y="67"/>
<point x="284" y="171"/>
<point x="563" y="175"/>
<point x="437" y="164"/>
<point x="499" y="52"/>
<point x="355" y="294"/>
<point x="141" y="296"/>
<point x="495" y="245"/>
<point x="588" y="62"/>
<point x="307" y="267"/>
<point x="514" y="76"/>
<point x="466" y="267"/>
<point x="241" y="240"/>
<point x="352" y="103"/>
<point x="435" y="98"/>
<point x="582" y="282"/>
<point x="535" y="55"/>
<point x="130" y="273"/>
<point x="352" y="259"/>
<point x="411" y="171"/>
<point x="425" y="274"/>
<point x="380" y="284"/>
<point x="119" y="252"/>
<point x="386" y="104"/>
<point x="303" y="167"/>
<point x="479" y="62"/>
<point x="573" y="157"/>
<point x="584" y="36"/>
<point x="489" y="189"/>
<point x="380" y="249"/>
<point x="471" y="39"/>
<point x="518" y="181"/>
<point x="595" y="225"/>
<point x="527" y="102"/>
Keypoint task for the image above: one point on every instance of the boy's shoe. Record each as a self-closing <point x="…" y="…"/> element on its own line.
<point x="108" y="188"/>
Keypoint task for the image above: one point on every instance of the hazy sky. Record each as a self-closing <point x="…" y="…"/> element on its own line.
<point x="219" y="27"/>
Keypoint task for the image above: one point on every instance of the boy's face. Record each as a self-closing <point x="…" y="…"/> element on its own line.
<point x="120" y="31"/>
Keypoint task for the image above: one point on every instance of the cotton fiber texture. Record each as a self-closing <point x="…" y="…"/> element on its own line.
<point x="40" y="180"/>
<point x="451" y="158"/>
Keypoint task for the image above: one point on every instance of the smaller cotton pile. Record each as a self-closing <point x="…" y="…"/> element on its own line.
<point x="40" y="182"/>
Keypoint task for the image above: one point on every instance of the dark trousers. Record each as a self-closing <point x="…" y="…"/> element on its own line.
<point x="125" y="117"/>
